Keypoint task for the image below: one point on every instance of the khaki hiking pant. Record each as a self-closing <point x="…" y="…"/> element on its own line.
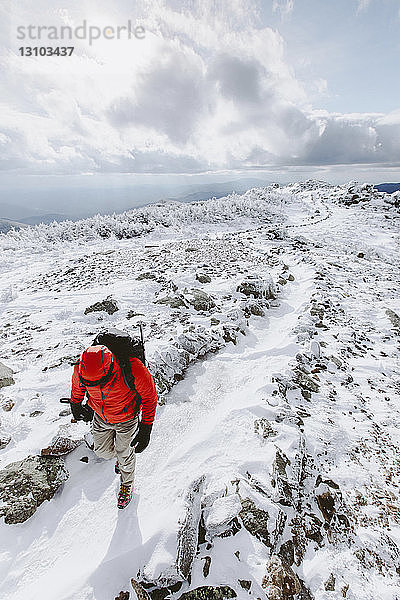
<point x="112" y="440"/>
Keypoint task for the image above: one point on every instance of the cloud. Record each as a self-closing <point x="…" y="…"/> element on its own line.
<point x="284" y="7"/>
<point x="209" y="88"/>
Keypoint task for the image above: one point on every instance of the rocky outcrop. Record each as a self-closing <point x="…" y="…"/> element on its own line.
<point x="209" y="593"/>
<point x="255" y="520"/>
<point x="6" y="376"/>
<point x="280" y="581"/>
<point x="188" y="532"/>
<point x="109" y="305"/>
<point x="263" y="428"/>
<point x="26" y="484"/>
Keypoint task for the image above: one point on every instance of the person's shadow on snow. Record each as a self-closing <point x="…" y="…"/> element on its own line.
<point x="122" y="560"/>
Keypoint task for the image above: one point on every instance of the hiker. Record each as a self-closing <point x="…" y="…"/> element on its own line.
<point x="116" y="402"/>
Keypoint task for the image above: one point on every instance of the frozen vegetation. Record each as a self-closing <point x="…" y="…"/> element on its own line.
<point x="272" y="325"/>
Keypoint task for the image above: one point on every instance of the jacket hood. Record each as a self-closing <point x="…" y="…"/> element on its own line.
<point x="96" y="363"/>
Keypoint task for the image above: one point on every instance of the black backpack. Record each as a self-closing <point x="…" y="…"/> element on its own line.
<point x="124" y="347"/>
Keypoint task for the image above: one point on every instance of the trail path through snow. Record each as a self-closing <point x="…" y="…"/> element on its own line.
<point x="200" y="430"/>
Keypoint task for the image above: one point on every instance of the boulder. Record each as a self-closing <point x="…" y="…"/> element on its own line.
<point x="199" y="299"/>
<point x="174" y="301"/>
<point x="27" y="483"/>
<point x="60" y="445"/>
<point x="221" y="517"/>
<point x="5" y="439"/>
<point x="108" y="305"/>
<point x="255" y="307"/>
<point x="202" y="278"/>
<point x="258" y="288"/>
<point x="6" y="376"/>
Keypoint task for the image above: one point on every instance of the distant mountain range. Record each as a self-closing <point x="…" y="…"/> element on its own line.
<point x="34" y="208"/>
<point x="7" y="224"/>
<point x="389" y="188"/>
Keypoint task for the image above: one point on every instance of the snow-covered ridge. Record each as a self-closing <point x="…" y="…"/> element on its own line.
<point x="258" y="205"/>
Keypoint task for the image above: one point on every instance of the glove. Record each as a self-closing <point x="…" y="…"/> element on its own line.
<point x="81" y="412"/>
<point x="142" y="438"/>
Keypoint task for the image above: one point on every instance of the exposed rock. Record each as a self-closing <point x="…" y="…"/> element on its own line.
<point x="230" y="332"/>
<point x="305" y="383"/>
<point x="209" y="593"/>
<point x="202" y="278"/>
<point x="263" y="428"/>
<point x="258" y="288"/>
<point x="291" y="277"/>
<point x="25" y="484"/>
<point x="174" y="301"/>
<point x="286" y="552"/>
<point x="330" y="583"/>
<point x="206" y="566"/>
<point x="187" y="535"/>
<point x="255" y="307"/>
<point x="394" y="319"/>
<point x="280" y="479"/>
<point x="6" y="376"/>
<point x="146" y="275"/>
<point x="36" y="413"/>
<point x="123" y="596"/>
<point x="326" y="504"/>
<point x="5" y="439"/>
<point x="139" y="590"/>
<point x="199" y="299"/>
<point x="336" y="361"/>
<point x="245" y="584"/>
<point x="280" y="581"/>
<point x="108" y="305"/>
<point x="255" y="520"/>
<point x="7" y="405"/>
<point x="60" y="445"/>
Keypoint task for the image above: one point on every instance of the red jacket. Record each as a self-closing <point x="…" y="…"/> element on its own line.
<point x="109" y="396"/>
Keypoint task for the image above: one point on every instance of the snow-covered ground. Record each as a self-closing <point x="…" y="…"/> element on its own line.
<point x="279" y="449"/>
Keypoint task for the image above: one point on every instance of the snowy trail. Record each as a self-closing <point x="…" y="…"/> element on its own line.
<point x="199" y="430"/>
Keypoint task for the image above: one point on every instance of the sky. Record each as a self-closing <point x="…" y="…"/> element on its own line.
<point x="282" y="88"/>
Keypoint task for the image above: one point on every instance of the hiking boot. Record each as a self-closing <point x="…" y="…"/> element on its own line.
<point x="124" y="496"/>
<point x="116" y="469"/>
